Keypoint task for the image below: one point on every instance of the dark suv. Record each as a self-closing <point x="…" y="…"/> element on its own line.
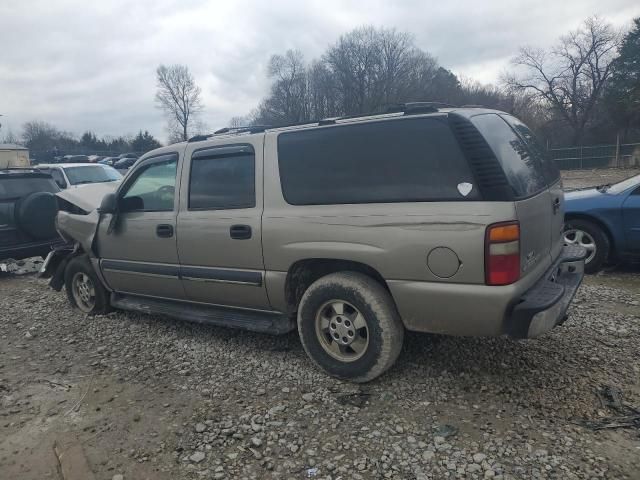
<point x="28" y="207"/>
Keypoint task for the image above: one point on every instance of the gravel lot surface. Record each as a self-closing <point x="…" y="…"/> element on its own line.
<point x="152" y="398"/>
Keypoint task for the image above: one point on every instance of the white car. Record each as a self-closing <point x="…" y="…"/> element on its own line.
<point x="72" y="175"/>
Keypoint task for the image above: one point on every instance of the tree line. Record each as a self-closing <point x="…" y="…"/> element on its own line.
<point x="583" y="90"/>
<point x="45" y="141"/>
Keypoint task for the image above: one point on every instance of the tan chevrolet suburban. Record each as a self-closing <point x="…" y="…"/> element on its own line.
<point x="350" y="230"/>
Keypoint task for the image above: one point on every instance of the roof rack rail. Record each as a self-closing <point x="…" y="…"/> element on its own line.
<point x="473" y="106"/>
<point x="409" y="108"/>
<point x="222" y="131"/>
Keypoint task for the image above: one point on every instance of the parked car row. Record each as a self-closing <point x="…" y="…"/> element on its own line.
<point x="69" y="175"/>
<point x="124" y="159"/>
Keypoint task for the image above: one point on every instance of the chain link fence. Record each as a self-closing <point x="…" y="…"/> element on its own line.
<point x="597" y="156"/>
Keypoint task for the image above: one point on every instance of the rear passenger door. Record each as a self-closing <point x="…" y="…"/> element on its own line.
<point x="219" y="224"/>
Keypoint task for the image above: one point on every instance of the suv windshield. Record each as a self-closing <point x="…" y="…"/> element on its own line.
<point x="91" y="174"/>
<point x="623" y="185"/>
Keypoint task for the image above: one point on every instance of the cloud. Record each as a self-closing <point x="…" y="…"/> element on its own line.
<point x="91" y="65"/>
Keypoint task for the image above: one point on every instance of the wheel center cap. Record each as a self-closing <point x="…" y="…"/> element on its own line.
<point x="342" y="329"/>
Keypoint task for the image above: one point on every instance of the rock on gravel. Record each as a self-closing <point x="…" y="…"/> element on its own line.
<point x="197" y="457"/>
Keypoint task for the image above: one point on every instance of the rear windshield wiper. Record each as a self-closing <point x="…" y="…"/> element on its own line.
<point x="603" y="188"/>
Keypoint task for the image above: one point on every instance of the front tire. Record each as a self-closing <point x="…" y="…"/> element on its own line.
<point x="590" y="236"/>
<point x="349" y="326"/>
<point x="84" y="289"/>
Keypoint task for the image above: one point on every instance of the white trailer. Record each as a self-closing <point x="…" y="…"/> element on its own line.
<point x="12" y="155"/>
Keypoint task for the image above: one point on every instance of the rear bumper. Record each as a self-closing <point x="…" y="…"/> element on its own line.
<point x="484" y="310"/>
<point x="544" y="305"/>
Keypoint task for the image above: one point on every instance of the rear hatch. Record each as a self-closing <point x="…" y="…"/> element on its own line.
<point x="536" y="186"/>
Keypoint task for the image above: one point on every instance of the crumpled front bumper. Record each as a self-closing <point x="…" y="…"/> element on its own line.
<point x="544" y="305"/>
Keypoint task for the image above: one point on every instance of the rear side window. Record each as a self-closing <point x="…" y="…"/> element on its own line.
<point x="222" y="182"/>
<point x="21" y="186"/>
<point x="523" y="170"/>
<point x="409" y="160"/>
<point x="549" y="167"/>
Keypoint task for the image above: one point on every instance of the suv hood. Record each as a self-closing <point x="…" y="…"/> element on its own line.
<point x="88" y="197"/>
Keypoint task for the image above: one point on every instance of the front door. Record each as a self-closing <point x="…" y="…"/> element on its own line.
<point x="631" y="219"/>
<point x="219" y="225"/>
<point x="139" y="255"/>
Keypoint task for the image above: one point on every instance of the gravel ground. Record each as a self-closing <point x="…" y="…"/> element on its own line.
<point x="153" y="398"/>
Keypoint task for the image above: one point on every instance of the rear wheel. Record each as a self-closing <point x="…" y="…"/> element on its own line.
<point x="84" y="290"/>
<point x="349" y="326"/>
<point x="589" y="235"/>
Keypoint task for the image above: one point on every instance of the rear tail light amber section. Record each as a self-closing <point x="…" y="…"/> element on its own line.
<point x="502" y="253"/>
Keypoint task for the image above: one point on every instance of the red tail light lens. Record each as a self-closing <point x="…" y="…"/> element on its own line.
<point x="502" y="253"/>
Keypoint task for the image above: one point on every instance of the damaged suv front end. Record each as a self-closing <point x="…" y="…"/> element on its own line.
<point x="76" y="222"/>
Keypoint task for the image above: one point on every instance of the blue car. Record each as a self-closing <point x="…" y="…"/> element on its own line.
<point x="606" y="221"/>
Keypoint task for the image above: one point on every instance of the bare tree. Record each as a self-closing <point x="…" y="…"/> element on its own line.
<point x="288" y="99"/>
<point x="179" y="97"/>
<point x="571" y="77"/>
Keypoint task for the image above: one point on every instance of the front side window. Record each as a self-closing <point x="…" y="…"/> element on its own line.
<point x="222" y="182"/>
<point x="154" y="188"/>
<point x="522" y="169"/>
<point x="400" y="160"/>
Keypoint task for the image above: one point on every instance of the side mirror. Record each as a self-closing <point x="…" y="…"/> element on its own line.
<point x="109" y="204"/>
<point x="130" y="204"/>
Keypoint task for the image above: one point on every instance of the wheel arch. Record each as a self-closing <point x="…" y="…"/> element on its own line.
<point x="302" y="273"/>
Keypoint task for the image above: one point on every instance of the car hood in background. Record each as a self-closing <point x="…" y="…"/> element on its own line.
<point x="580" y="194"/>
<point x="88" y="197"/>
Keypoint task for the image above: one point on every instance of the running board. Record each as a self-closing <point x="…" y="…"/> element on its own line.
<point x="254" y="320"/>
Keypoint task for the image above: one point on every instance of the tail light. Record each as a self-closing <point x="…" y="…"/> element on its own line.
<point x="502" y="253"/>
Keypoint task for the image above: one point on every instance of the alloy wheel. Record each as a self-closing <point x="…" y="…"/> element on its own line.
<point x="342" y="330"/>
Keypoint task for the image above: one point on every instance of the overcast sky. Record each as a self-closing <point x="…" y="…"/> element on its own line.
<point x="84" y="65"/>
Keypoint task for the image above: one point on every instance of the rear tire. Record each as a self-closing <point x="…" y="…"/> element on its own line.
<point x="349" y="326"/>
<point x="84" y="289"/>
<point x="589" y="235"/>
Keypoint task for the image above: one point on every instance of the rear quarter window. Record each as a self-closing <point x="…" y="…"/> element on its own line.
<point x="523" y="171"/>
<point x="18" y="187"/>
<point x="408" y="160"/>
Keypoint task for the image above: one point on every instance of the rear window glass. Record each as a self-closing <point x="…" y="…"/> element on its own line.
<point x="522" y="169"/>
<point x="19" y="187"/>
<point x="409" y="160"/>
<point x="92" y="174"/>
<point x="549" y="167"/>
